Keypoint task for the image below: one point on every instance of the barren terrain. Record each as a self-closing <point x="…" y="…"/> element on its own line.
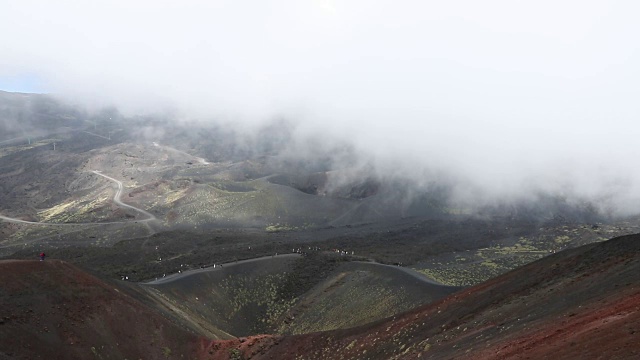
<point x="206" y="239"/>
<point x="582" y="303"/>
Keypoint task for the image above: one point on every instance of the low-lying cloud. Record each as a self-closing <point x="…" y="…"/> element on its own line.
<point x="506" y="97"/>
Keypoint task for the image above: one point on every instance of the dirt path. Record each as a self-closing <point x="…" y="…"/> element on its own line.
<point x="176" y="310"/>
<point x="178" y="276"/>
<point x="94" y="134"/>
<point x="19" y="221"/>
<point x="14" y="139"/>
<point x="409" y="271"/>
<point x="118" y="195"/>
<point x="116" y="199"/>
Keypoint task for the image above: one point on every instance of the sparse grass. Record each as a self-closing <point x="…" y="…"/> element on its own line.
<point x="261" y="291"/>
<point x="235" y="354"/>
<point x="469" y="268"/>
<point x="285" y="227"/>
<point x="166" y="352"/>
<point x="86" y="210"/>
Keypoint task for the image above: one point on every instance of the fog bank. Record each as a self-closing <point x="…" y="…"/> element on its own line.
<point x="503" y="98"/>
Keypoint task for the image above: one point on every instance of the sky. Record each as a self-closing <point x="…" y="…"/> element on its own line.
<point x="22" y="82"/>
<point x="509" y="95"/>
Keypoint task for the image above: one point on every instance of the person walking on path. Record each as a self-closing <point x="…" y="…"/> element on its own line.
<point x="42" y="255"/>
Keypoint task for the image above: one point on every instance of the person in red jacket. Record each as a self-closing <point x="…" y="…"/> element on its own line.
<point x="42" y="255"/>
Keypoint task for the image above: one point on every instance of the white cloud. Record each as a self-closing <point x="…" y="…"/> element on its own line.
<point x="496" y="91"/>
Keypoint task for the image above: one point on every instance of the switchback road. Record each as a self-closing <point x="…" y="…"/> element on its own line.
<point x="116" y="199"/>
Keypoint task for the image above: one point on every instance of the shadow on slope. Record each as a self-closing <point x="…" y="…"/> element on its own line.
<point x="356" y="293"/>
<point x="577" y="304"/>
<point x="291" y="294"/>
<point x="234" y="299"/>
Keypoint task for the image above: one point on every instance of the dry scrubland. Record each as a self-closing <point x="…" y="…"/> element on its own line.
<point x="471" y="267"/>
<point x="580" y="303"/>
<point x="577" y="303"/>
<point x="292" y="294"/>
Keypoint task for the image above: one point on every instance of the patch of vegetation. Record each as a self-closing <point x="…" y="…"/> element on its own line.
<point x="280" y="227"/>
<point x="247" y="292"/>
<point x="166" y="352"/>
<point x="277" y="227"/>
<point x="235" y="354"/>
<point x="308" y="272"/>
<point x="271" y="296"/>
<point x="96" y="353"/>
<point x="500" y="257"/>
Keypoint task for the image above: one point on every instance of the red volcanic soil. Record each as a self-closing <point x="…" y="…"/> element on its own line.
<point x="52" y="310"/>
<point x="582" y="303"/>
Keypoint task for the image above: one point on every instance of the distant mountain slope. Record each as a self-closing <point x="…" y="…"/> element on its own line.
<point x="53" y="310"/>
<point x="24" y="116"/>
<point x="582" y="303"/>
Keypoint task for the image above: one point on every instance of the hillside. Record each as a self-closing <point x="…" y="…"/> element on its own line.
<point x="582" y="303"/>
<point x="53" y="310"/>
<point x="116" y="194"/>
<point x="579" y="303"/>
<point x="143" y="197"/>
<point x="290" y="293"/>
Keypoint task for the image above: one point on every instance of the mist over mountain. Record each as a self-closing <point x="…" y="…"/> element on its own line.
<point x="500" y="101"/>
<point x="368" y="179"/>
<point x="315" y="163"/>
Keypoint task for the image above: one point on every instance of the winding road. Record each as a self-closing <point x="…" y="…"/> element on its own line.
<point x="180" y="275"/>
<point x="11" y="140"/>
<point x="19" y="221"/>
<point x="116" y="199"/>
<point x="94" y="134"/>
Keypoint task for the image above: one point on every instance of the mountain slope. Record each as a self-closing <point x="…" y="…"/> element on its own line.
<point x="290" y="293"/>
<point x="581" y="303"/>
<point x="53" y="310"/>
